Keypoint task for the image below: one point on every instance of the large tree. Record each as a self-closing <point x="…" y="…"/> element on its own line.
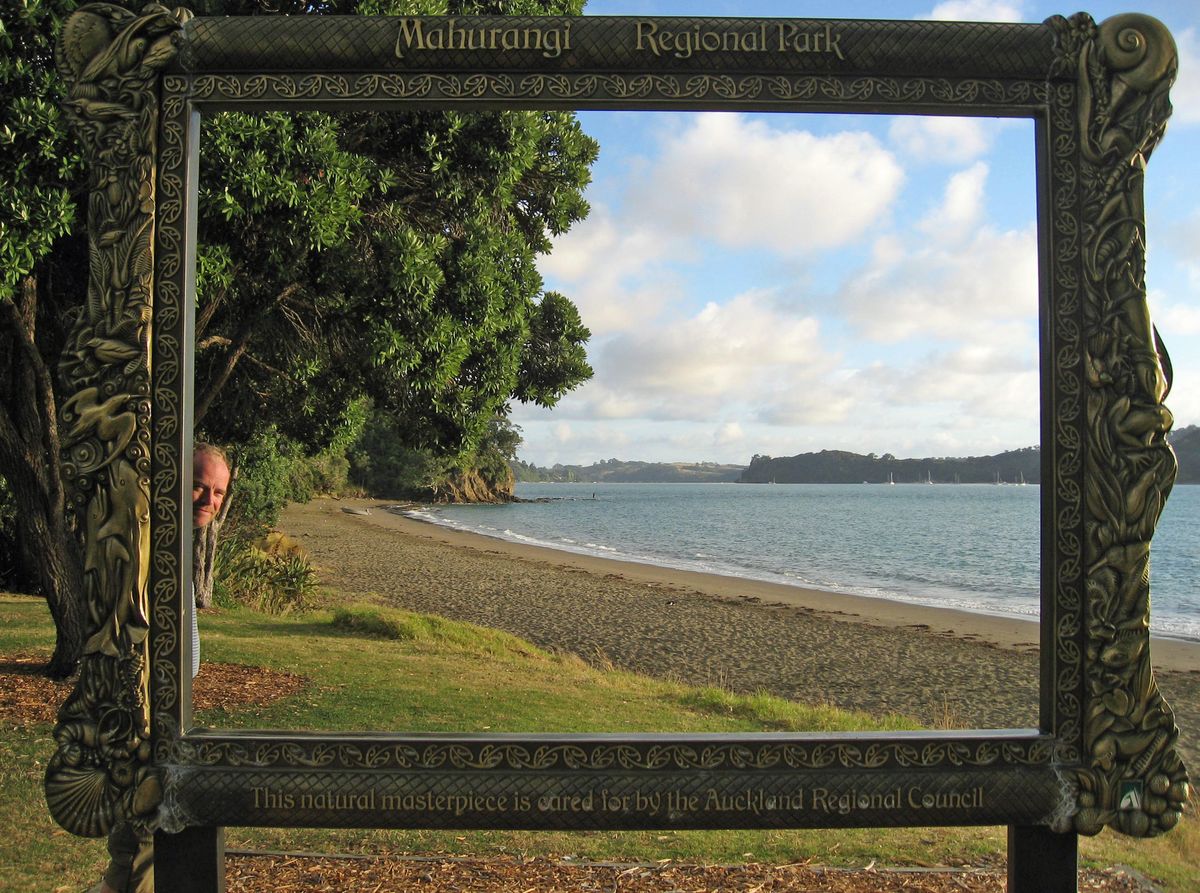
<point x="41" y="254"/>
<point x="399" y="255"/>
<point x="389" y="256"/>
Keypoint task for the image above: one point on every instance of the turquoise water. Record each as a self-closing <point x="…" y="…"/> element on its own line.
<point x="973" y="547"/>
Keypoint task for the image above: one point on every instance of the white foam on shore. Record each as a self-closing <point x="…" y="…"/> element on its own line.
<point x="707" y="565"/>
<point x="993" y="605"/>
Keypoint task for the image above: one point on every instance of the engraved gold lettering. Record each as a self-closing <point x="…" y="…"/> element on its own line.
<point x="833" y="42"/>
<point x="645" y="37"/>
<point x="457" y="36"/>
<point x="334" y="801"/>
<point x="265" y="798"/>
<point x="788" y="38"/>
<point x="411" y="31"/>
<point x="919" y="799"/>
<point x="563" y="803"/>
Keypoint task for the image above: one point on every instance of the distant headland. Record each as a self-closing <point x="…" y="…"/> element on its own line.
<point x="840" y="467"/>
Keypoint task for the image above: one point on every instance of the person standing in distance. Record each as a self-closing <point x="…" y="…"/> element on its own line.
<point x="131" y="858"/>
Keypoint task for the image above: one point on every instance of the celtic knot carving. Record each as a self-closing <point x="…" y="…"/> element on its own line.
<point x="627" y="88"/>
<point x="283" y="753"/>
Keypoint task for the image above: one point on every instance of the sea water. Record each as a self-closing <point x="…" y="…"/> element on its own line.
<point x="974" y="547"/>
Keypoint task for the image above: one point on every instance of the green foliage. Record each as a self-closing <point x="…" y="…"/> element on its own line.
<point x="273" y="470"/>
<point x="327" y="472"/>
<point x="269" y="476"/>
<point x="382" y="465"/>
<point x="40" y="170"/>
<point x="842" y="467"/>
<point x="273" y="583"/>
<point x="492" y="457"/>
<point x="556" y="339"/>
<point x="390" y="256"/>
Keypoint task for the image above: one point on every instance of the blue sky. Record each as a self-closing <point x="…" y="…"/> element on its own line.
<point x="784" y="283"/>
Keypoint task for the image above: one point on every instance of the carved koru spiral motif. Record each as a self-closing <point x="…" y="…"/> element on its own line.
<point x="1134" y="778"/>
<point x="110" y="59"/>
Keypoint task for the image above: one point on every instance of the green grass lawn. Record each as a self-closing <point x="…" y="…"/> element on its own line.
<point x="373" y="668"/>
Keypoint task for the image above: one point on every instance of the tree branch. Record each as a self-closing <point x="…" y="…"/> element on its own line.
<point x="204" y="317"/>
<point x="237" y="350"/>
<point x="43" y="425"/>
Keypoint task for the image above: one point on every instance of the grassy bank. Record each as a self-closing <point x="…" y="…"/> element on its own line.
<point x="371" y="668"/>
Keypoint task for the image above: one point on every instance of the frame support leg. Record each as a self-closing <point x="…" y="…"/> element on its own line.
<point x="192" y="861"/>
<point x="1042" y="861"/>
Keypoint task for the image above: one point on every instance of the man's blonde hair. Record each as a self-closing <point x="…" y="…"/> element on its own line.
<point x="202" y="447"/>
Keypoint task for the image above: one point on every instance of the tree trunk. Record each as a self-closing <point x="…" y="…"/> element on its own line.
<point x="54" y="567"/>
<point x="29" y="456"/>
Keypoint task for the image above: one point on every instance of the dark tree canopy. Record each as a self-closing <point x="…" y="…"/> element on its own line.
<point x="390" y="256"/>
<point x="345" y="260"/>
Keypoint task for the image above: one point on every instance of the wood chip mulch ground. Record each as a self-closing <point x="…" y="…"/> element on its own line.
<point x="280" y="873"/>
<point x="28" y="698"/>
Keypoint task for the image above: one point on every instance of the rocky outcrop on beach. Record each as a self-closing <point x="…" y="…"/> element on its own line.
<point x="471" y="486"/>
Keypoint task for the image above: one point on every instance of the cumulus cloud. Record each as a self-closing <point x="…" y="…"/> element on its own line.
<point x="977" y="11"/>
<point x="745" y="351"/>
<point x="958" y="279"/>
<point x="729" y="434"/>
<point x="943" y="140"/>
<point x="961" y="207"/>
<point x="616" y="272"/>
<point x="741" y="183"/>
<point x="1185" y="93"/>
<point x="1178" y="319"/>
<point x="974" y="381"/>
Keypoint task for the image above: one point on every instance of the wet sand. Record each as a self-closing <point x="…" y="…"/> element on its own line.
<point x="941" y="667"/>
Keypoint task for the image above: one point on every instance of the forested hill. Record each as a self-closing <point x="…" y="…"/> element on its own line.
<point x="1186" y="442"/>
<point x="841" y="467"/>
<point x="617" y="471"/>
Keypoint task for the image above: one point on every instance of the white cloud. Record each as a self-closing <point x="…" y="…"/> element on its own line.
<point x="946" y="140"/>
<point x="613" y="271"/>
<point x="726" y="352"/>
<point x="724" y="363"/>
<point x="977" y="11"/>
<point x="729" y="434"/>
<point x="961" y="207"/>
<point x="951" y="279"/>
<point x="744" y="184"/>
<point x="972" y="382"/>
<point x="1185" y="94"/>
<point x="1178" y="319"/>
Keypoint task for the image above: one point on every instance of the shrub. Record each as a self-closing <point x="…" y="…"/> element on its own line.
<point x="275" y="582"/>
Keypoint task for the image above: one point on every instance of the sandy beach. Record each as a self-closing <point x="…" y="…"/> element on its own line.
<point x="938" y="666"/>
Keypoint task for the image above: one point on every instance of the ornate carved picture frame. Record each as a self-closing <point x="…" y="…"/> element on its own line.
<point x="1104" y="752"/>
